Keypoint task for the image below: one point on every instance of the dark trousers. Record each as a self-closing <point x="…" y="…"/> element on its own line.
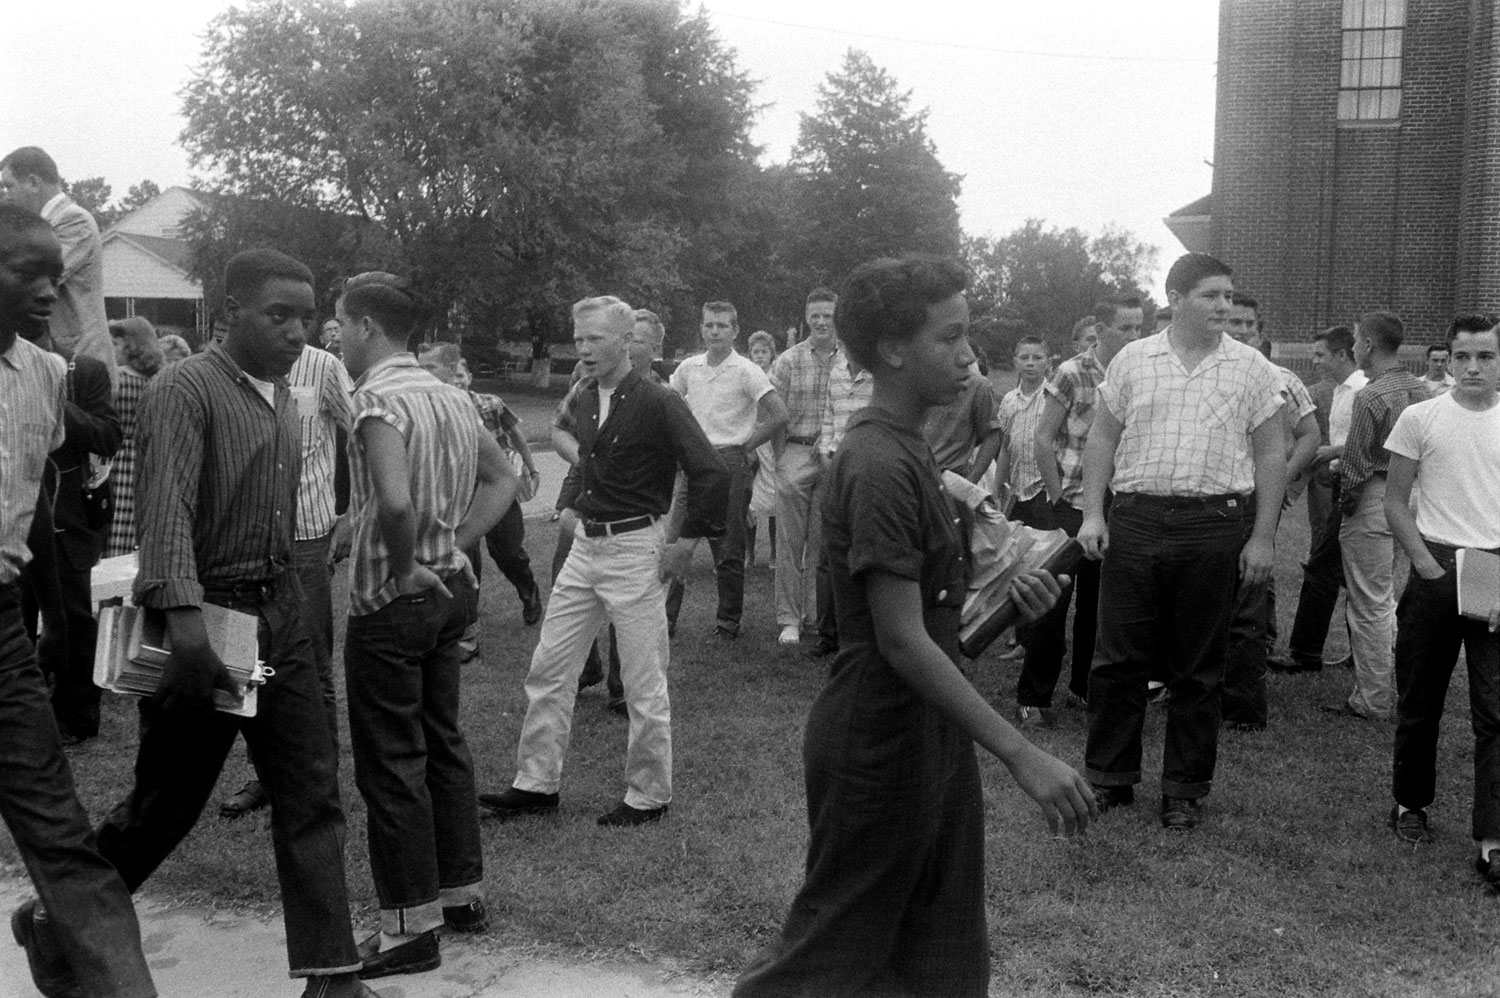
<point x="1245" y="691"/>
<point x="506" y="542"/>
<point x="1166" y="593"/>
<point x="69" y="666"/>
<point x="729" y="550"/>
<point x="1045" y="641"/>
<point x="592" y="667"/>
<point x="316" y="576"/>
<point x="1322" y="577"/>
<point x="178" y="762"/>
<point x="92" y="921"/>
<point x="411" y="763"/>
<point x="827" y="622"/>
<point x="1429" y="633"/>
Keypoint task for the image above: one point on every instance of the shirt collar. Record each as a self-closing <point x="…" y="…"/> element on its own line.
<point x="404" y="359"/>
<point x="1352" y="380"/>
<point x="52" y="202"/>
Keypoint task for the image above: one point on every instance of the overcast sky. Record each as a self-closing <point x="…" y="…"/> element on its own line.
<point x="1080" y="112"/>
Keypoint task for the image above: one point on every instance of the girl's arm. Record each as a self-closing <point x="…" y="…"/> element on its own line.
<point x="896" y="608"/>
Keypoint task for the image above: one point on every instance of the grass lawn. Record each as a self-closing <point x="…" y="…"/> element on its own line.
<point x="1292" y="886"/>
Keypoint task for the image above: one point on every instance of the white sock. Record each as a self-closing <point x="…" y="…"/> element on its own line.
<point x="1485" y="845"/>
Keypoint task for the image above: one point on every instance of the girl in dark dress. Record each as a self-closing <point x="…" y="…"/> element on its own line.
<point x="893" y="902"/>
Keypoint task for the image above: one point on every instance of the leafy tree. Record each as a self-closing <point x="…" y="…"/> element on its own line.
<point x="520" y="153"/>
<point x="138" y="195"/>
<point x="1042" y="280"/>
<point x="870" y="182"/>
<point x="92" y="195"/>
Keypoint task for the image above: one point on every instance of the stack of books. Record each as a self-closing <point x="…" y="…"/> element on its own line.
<point x="133" y="649"/>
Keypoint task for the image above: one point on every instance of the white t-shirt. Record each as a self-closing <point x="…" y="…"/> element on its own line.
<point x="267" y="389"/>
<point x="724" y="397"/>
<point x="1457" y="452"/>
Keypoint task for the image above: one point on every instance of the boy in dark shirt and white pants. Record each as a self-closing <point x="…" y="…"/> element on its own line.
<point x="1450" y="447"/>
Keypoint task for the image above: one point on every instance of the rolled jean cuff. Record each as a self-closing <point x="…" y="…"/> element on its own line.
<point x="412" y="919"/>
<point x="1189" y="791"/>
<point x="457" y="897"/>
<point x="1112" y="779"/>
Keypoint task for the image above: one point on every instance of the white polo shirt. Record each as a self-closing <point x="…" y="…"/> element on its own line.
<point x="724" y="397"/>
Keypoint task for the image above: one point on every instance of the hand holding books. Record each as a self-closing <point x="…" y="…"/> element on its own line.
<point x="203" y="659"/>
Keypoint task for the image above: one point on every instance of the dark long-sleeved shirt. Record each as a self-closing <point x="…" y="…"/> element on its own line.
<point x="1377" y="406"/>
<point x="627" y="466"/>
<point x="217" y="493"/>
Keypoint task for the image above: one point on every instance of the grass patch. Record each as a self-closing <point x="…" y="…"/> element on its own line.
<point x="1293" y="885"/>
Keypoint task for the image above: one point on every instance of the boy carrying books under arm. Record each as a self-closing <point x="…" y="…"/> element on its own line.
<point x="1450" y="447"/>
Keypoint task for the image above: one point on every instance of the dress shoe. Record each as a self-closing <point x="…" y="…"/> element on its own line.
<point x="1291" y="664"/>
<point x="1106" y="798"/>
<point x="791" y="634"/>
<point x="722" y="633"/>
<point x="624" y="816"/>
<point x="1180" y="814"/>
<point x="1344" y="710"/>
<point x="593" y="669"/>
<point x="1076" y="702"/>
<point x="417" y="954"/>
<point x="50" y="971"/>
<point x="512" y="803"/>
<point x="617" y="705"/>
<point x="471" y="917"/>
<point x="531" y="605"/>
<point x="1411" y="827"/>
<point x="1488" y="867"/>
<point x="248" y="798"/>
<point x="1033" y="717"/>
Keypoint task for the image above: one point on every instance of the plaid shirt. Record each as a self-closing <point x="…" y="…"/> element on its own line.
<point x="441" y="433"/>
<point x="499" y="420"/>
<point x="801" y="376"/>
<point x="847" y="394"/>
<point x="1020" y="414"/>
<point x="1076" y="388"/>
<point x="122" y="474"/>
<point x="1377" y="406"/>
<point x="1187" y="433"/>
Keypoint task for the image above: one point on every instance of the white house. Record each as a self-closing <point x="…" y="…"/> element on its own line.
<point x="146" y="265"/>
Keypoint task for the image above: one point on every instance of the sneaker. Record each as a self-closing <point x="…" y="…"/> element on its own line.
<point x="471" y="917"/>
<point x="1033" y="717"/>
<point x="1488" y="867"/>
<point x="791" y="634"/>
<point x="1110" y="797"/>
<point x="512" y="803"/>
<point x="1180" y="814"/>
<point x="1412" y="826"/>
<point x="625" y="816"/>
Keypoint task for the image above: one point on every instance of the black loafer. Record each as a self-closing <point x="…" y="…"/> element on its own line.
<point x="512" y="803"/>
<point x="1180" y="814"/>
<point x="1292" y="665"/>
<point x="411" y="957"/>
<point x="248" y="798"/>
<point x="471" y="917"/>
<point x="625" y="816"/>
<point x="50" y="971"/>
<point x="531" y="605"/>
<point x="1411" y="827"/>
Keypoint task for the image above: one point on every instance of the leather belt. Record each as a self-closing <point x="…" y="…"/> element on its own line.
<point x="608" y="528"/>
<point x="244" y="592"/>
<point x="802" y="441"/>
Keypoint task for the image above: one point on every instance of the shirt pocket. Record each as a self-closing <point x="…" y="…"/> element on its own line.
<point x="1216" y="412"/>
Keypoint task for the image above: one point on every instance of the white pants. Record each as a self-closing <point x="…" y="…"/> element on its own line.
<point x="799" y="536"/>
<point x="617" y="578"/>
<point x="1369" y="572"/>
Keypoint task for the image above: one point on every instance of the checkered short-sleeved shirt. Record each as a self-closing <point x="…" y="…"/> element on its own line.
<point x="1076" y="387"/>
<point x="1187" y="433"/>
<point x="1019" y="416"/>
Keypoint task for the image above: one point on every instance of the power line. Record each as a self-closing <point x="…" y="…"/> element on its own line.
<point x="1077" y="56"/>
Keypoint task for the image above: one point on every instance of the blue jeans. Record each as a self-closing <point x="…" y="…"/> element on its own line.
<point x="92" y="920"/>
<point x="1429" y="632"/>
<point x="1167" y="591"/>
<point x="729" y="550"/>
<point x="178" y="763"/>
<point x="316" y="576"/>
<point x="411" y="763"/>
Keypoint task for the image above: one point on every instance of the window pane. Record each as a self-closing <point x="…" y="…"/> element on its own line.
<point x="1393" y="43"/>
<point x="1392" y="75"/>
<point x="1349" y="74"/>
<point x="1351" y="13"/>
<point x="1369" y="104"/>
<point x="1347" y="104"/>
<point x="1395" y="13"/>
<point x="1371" y="44"/>
<point x="1351" y="44"/>
<point x="1369" y="73"/>
<point x="1374" y="14"/>
<point x="1390" y="104"/>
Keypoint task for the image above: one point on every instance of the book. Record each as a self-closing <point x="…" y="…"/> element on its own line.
<point x="134" y="647"/>
<point x="1478" y="575"/>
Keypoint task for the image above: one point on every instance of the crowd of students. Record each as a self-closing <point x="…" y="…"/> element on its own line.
<point x="255" y="466"/>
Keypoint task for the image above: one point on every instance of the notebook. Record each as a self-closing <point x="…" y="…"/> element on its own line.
<point x="133" y="648"/>
<point x="1478" y="582"/>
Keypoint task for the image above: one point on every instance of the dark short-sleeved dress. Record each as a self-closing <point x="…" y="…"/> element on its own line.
<point x="893" y="902"/>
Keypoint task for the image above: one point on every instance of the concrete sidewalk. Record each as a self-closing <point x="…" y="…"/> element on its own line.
<point x="196" y="953"/>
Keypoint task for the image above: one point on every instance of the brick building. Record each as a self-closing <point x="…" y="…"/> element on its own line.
<point x="1356" y="161"/>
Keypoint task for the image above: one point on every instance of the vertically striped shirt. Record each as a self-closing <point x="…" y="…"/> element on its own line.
<point x="31" y="426"/>
<point x="1377" y="406"/>
<point x="1187" y="433"/>
<point x="216" y="488"/>
<point x="1075" y="386"/>
<point x="321" y="387"/>
<point x="441" y="429"/>
<point x="1019" y="416"/>
<point x="801" y="376"/>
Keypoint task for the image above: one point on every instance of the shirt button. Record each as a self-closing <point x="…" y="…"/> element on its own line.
<point x="942" y="594"/>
